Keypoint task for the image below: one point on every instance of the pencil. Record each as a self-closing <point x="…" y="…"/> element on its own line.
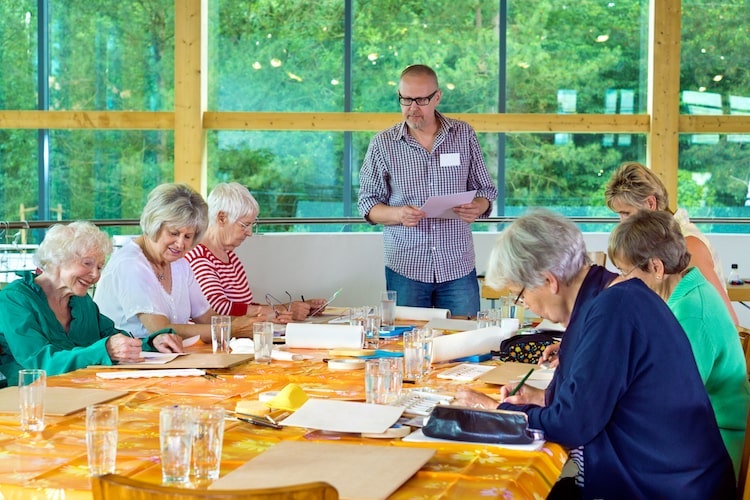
<point x="525" y="377"/>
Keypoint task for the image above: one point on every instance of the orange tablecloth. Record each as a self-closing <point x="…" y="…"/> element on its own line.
<point x="53" y="464"/>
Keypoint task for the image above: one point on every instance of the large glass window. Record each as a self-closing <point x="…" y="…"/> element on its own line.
<point x="493" y="57"/>
<point x="714" y="171"/>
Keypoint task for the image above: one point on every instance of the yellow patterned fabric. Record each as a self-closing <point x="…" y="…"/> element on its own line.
<point x="53" y="463"/>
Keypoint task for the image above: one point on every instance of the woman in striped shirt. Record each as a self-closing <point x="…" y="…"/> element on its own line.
<point x="232" y="211"/>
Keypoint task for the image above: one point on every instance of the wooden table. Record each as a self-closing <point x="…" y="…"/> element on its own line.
<point x="53" y="464"/>
<point x="739" y="293"/>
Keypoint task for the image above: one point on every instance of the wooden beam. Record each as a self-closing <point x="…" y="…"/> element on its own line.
<point x="358" y="122"/>
<point x="110" y="120"/>
<point x="190" y="33"/>
<point x="662" y="145"/>
<point x="711" y="124"/>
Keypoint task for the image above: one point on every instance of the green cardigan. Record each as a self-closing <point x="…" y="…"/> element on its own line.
<point x="718" y="353"/>
<point x="32" y="337"/>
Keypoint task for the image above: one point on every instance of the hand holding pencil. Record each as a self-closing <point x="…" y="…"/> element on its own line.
<point x="521" y="394"/>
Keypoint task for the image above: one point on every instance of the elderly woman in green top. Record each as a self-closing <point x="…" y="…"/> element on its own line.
<point x="649" y="245"/>
<point x="49" y="321"/>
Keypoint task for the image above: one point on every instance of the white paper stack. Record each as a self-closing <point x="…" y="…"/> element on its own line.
<point x="463" y="344"/>
<point x="323" y="336"/>
<point x="420" y="313"/>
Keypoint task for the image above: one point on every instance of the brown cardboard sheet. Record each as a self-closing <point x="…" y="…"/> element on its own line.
<point x="507" y="373"/>
<point x="60" y="400"/>
<point x="345" y="466"/>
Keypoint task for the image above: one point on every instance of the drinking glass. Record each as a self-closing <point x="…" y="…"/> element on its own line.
<point x="31" y="388"/>
<point x="372" y="328"/>
<point x="388" y="307"/>
<point x="263" y="341"/>
<point x="207" y="443"/>
<point x="221" y="333"/>
<point x="176" y="430"/>
<point x="101" y="438"/>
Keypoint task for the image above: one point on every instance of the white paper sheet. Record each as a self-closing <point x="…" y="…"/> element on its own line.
<point x="460" y="345"/>
<point x="451" y="325"/>
<point x="419" y="437"/>
<point x="323" y="336"/>
<point x="344" y="416"/>
<point x="177" y="372"/>
<point x="440" y="207"/>
<point x="420" y="313"/>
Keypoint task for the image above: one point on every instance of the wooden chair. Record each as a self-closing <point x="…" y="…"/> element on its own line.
<point x="744" y="334"/>
<point x="117" y="487"/>
<point x="598" y="257"/>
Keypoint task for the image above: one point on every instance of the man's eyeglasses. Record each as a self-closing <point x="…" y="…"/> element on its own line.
<point x="249" y="229"/>
<point x="519" y="297"/>
<point x="421" y="101"/>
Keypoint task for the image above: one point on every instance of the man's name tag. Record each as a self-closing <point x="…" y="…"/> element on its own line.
<point x="450" y="159"/>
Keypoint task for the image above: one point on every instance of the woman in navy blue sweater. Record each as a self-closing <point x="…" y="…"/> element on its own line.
<point x="627" y="389"/>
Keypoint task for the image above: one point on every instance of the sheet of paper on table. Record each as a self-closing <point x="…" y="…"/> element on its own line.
<point x="345" y="466"/>
<point x="440" y="207"/>
<point x="60" y="400"/>
<point x="344" y="416"/>
<point x="419" y="437"/>
<point x="205" y="361"/>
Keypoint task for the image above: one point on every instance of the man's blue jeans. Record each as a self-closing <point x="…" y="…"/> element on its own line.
<point x="460" y="296"/>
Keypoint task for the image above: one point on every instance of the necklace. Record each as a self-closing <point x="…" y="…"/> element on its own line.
<point x="160" y="274"/>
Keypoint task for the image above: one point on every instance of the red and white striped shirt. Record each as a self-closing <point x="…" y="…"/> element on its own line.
<point x="224" y="284"/>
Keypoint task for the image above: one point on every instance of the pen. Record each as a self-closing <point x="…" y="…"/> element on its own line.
<point x="213" y="375"/>
<point x="259" y="421"/>
<point x="515" y="390"/>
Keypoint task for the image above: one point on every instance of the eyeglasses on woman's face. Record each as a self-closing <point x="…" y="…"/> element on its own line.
<point x="637" y="266"/>
<point x="248" y="229"/>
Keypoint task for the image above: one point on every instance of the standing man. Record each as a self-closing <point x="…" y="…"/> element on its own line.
<point x="430" y="262"/>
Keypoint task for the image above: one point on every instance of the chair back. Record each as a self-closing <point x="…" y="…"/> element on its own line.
<point x="598" y="258"/>
<point x="117" y="487"/>
<point x="744" y="334"/>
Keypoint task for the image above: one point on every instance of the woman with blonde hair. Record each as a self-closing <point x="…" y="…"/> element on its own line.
<point x="148" y="285"/>
<point x="634" y="187"/>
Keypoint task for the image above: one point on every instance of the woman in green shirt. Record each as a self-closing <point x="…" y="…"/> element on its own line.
<point x="649" y="245"/>
<point x="48" y="320"/>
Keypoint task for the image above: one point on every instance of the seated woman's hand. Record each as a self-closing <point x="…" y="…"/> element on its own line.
<point x="124" y="349"/>
<point x="284" y="317"/>
<point x="168" y="342"/>
<point x="316" y="304"/>
<point x="474" y="399"/>
<point x="526" y="395"/>
<point x="300" y="310"/>
<point x="549" y="356"/>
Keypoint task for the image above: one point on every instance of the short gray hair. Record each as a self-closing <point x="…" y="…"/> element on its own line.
<point x="233" y="199"/>
<point x="63" y="243"/>
<point x="175" y="206"/>
<point x="648" y="234"/>
<point x="539" y="241"/>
